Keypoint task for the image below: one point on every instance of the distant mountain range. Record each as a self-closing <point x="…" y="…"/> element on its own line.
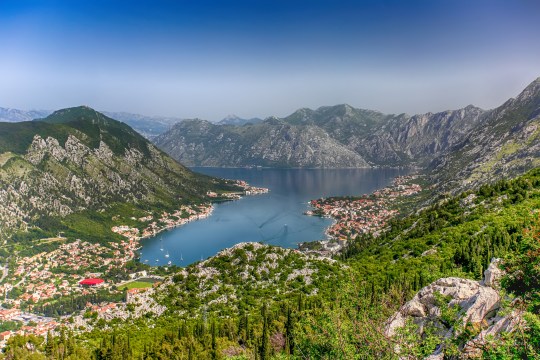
<point x="147" y="126"/>
<point x="16" y="115"/>
<point x="331" y="136"/>
<point x="235" y="120"/>
<point x="464" y="144"/>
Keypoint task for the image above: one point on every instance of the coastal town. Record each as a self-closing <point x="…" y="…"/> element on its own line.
<point x="76" y="268"/>
<point x="80" y="268"/>
<point x="354" y="216"/>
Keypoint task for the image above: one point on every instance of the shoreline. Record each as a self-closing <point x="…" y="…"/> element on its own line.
<point x="132" y="233"/>
<point x="354" y="216"/>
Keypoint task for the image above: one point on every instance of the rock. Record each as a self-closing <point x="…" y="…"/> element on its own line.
<point x="498" y="325"/>
<point x="493" y="274"/>
<point x="478" y="303"/>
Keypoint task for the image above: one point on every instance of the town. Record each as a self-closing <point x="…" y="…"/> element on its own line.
<point x="354" y="216"/>
<point x="78" y="268"/>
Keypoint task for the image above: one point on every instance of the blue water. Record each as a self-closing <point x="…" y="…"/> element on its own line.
<point x="275" y="218"/>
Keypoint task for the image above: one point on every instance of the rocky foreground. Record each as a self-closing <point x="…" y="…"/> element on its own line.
<point x="453" y="306"/>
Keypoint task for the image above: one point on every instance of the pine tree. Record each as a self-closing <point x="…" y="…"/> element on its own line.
<point x="289" y="337"/>
<point x="263" y="348"/>
<point x="214" y="349"/>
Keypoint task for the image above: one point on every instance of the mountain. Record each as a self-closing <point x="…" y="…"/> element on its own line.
<point x="235" y="120"/>
<point x="467" y="145"/>
<point x="15" y="115"/>
<point x="270" y="143"/>
<point x="77" y="160"/>
<point x="148" y="126"/>
<point x="331" y="136"/>
<point x="506" y="143"/>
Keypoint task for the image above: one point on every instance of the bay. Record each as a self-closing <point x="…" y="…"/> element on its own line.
<point x="274" y="218"/>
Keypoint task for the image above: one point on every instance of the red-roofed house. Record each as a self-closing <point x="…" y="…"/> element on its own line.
<point x="91" y="282"/>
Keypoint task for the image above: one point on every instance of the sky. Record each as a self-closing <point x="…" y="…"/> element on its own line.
<point x="258" y="58"/>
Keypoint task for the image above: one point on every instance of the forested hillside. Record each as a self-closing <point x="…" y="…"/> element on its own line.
<point x="457" y="236"/>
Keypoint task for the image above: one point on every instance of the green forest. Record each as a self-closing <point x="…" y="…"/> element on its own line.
<point x="455" y="236"/>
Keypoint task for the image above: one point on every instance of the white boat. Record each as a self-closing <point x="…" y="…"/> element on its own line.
<point x="161" y="243"/>
<point x="181" y="258"/>
<point x="169" y="263"/>
<point x="167" y="254"/>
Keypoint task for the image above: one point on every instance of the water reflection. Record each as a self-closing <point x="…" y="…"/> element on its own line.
<point x="275" y="218"/>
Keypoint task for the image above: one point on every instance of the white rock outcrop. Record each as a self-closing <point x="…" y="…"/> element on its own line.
<point x="478" y="301"/>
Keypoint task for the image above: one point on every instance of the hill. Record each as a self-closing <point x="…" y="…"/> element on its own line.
<point x="78" y="160"/>
<point x="257" y="300"/>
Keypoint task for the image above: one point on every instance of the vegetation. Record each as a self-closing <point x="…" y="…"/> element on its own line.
<point x="259" y="302"/>
<point x="136" y="285"/>
<point x="455" y="236"/>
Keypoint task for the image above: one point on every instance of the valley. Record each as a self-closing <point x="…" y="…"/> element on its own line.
<point x="104" y="233"/>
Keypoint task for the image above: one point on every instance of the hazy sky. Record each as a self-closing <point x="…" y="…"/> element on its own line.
<point x="207" y="59"/>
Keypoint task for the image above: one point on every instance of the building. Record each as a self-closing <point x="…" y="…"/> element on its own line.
<point x="91" y="282"/>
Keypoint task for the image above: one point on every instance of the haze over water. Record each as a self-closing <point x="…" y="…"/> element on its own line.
<point x="275" y="218"/>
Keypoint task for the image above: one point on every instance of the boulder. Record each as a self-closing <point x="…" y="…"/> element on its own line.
<point x="478" y="303"/>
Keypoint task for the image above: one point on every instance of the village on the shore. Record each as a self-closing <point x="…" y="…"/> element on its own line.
<point x="78" y="268"/>
<point x="354" y="216"/>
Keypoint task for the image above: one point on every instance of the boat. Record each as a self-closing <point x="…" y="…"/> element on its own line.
<point x="157" y="260"/>
<point x="169" y="263"/>
<point x="146" y="260"/>
<point x="181" y="258"/>
<point x="167" y="254"/>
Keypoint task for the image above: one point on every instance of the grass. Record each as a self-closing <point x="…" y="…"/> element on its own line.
<point x="136" y="285"/>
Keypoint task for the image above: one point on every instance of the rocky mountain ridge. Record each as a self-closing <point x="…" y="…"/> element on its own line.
<point x="78" y="159"/>
<point x="270" y="143"/>
<point x="477" y="304"/>
<point x="340" y="133"/>
<point x="505" y="144"/>
<point x="465" y="144"/>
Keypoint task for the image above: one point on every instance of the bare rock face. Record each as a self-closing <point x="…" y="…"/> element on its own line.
<point x="493" y="274"/>
<point x="78" y="159"/>
<point x="478" y="302"/>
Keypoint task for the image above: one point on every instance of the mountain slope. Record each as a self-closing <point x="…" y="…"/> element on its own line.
<point x="270" y="143"/>
<point x="505" y="144"/>
<point x="78" y="159"/>
<point x="341" y="133"/>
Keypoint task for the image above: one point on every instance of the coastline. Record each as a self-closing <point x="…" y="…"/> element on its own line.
<point x="355" y="216"/>
<point x="176" y="219"/>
